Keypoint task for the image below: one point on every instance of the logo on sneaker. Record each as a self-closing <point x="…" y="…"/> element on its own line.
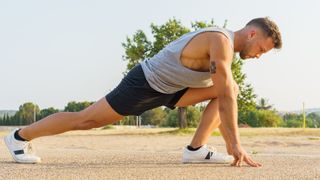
<point x="209" y="155"/>
<point x="17" y="152"/>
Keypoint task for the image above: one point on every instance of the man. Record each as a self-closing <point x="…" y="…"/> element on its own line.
<point x="192" y="69"/>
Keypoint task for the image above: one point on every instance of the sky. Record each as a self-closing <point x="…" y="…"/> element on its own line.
<point x="54" y="52"/>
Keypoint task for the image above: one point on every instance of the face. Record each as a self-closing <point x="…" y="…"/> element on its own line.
<point x="256" y="45"/>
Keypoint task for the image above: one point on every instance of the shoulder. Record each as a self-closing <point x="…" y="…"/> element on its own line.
<point x="219" y="45"/>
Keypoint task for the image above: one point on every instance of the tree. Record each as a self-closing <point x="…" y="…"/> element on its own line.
<point x="27" y="113"/>
<point x="139" y="47"/>
<point x="46" y="112"/>
<point x="193" y="116"/>
<point x="263" y="104"/>
<point x="315" y="119"/>
<point x="128" y="120"/>
<point x="154" y="117"/>
<point x="77" y="106"/>
<point x="264" y="118"/>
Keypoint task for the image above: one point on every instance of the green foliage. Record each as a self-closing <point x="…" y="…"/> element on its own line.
<point x="172" y="119"/>
<point x="313" y="120"/>
<point x="26" y="113"/>
<point x="128" y="120"/>
<point x="136" y="49"/>
<point x="77" y="106"/>
<point x="263" y="104"/>
<point x="182" y="131"/>
<point x="46" y="112"/>
<point x="166" y="33"/>
<point x="109" y="126"/>
<point x="193" y="117"/>
<point x="263" y="118"/>
<point x="154" y="117"/>
<point x="296" y="120"/>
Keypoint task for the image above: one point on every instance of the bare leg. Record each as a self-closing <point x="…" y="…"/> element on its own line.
<point x="96" y="115"/>
<point x="210" y="118"/>
<point x="209" y="121"/>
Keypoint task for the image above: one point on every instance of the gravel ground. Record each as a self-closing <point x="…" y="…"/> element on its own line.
<point x="101" y="155"/>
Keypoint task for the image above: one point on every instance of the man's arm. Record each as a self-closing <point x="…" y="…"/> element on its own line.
<point x="221" y="53"/>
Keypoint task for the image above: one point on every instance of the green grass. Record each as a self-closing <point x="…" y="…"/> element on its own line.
<point x="184" y="131"/>
<point x="108" y="127"/>
<point x="314" y="138"/>
<point x="251" y="132"/>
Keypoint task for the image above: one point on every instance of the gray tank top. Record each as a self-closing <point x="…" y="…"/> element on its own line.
<point x="165" y="73"/>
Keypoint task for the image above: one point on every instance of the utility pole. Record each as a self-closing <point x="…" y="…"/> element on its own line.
<point x="304" y="116"/>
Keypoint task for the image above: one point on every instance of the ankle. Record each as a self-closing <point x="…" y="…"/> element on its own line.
<point x="193" y="148"/>
<point x="19" y="136"/>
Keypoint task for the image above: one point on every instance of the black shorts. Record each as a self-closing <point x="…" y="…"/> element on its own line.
<point x="133" y="95"/>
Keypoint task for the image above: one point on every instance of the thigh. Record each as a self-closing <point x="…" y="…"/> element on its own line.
<point x="101" y="112"/>
<point x="195" y="95"/>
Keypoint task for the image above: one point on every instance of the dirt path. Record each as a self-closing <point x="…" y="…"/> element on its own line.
<point x="101" y="155"/>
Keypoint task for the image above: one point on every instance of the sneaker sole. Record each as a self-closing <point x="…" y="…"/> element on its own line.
<point x="13" y="156"/>
<point x="204" y="162"/>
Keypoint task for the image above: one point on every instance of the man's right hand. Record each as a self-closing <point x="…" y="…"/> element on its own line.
<point x="241" y="155"/>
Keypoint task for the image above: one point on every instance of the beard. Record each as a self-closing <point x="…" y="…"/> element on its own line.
<point x="243" y="55"/>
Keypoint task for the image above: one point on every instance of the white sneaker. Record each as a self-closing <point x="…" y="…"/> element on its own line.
<point x="21" y="151"/>
<point x="205" y="155"/>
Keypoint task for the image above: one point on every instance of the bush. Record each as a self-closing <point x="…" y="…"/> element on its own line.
<point x="263" y="118"/>
<point x="193" y="117"/>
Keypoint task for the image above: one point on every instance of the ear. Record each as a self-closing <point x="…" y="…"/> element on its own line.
<point x="252" y="33"/>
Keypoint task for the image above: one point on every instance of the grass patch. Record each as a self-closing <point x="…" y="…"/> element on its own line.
<point x="186" y="131"/>
<point x="251" y="132"/>
<point x="216" y="133"/>
<point x="183" y="131"/>
<point x="108" y="127"/>
<point x="314" y="138"/>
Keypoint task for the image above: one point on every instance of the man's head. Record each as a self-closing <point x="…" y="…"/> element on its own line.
<point x="260" y="36"/>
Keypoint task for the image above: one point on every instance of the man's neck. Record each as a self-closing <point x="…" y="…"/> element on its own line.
<point x="238" y="40"/>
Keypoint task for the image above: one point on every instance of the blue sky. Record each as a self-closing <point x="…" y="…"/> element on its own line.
<point x="53" y="52"/>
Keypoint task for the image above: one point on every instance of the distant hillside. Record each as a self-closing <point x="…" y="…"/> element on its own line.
<point x="308" y="111"/>
<point x="10" y="112"/>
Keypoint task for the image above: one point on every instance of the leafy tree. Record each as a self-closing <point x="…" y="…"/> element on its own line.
<point x="139" y="47"/>
<point x="193" y="117"/>
<point x="77" y="106"/>
<point x="315" y="119"/>
<point x="27" y="113"/>
<point x="128" y="120"/>
<point x="296" y="120"/>
<point x="46" y="112"/>
<point x="263" y="104"/>
<point x="172" y="119"/>
<point x="153" y="117"/>
<point x="264" y="118"/>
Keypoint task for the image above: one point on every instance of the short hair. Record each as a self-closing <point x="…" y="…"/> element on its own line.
<point x="270" y="29"/>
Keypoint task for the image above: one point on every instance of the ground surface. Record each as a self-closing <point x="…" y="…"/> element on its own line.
<point x="146" y="154"/>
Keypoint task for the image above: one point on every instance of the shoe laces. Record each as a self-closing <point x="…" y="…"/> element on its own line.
<point x="28" y="148"/>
